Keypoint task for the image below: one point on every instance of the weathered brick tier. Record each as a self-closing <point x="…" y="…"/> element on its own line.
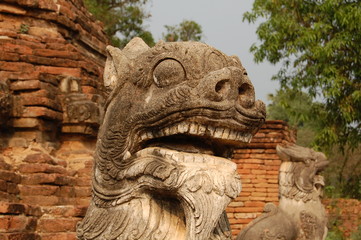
<point x="52" y="57"/>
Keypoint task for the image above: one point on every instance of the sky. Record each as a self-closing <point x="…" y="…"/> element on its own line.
<point x="223" y="29"/>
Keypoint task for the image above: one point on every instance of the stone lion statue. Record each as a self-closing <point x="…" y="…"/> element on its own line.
<point x="173" y="115"/>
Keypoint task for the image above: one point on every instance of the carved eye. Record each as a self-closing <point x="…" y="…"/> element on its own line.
<point x="168" y="72"/>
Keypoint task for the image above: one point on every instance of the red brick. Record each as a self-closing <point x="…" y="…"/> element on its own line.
<point x="242" y="150"/>
<point x="16" y="67"/>
<point x="259" y="194"/>
<point x="40" y="178"/>
<point x="40" y="200"/>
<point x="12" y="188"/>
<point x="56" y="53"/>
<point x="83" y="201"/>
<point x="42" y="112"/>
<point x="259" y="180"/>
<point x="25" y="85"/>
<point x="275" y="181"/>
<point x="254" y="161"/>
<point x="66" y="191"/>
<point x="23" y="236"/>
<point x="6" y="75"/>
<point x="75" y="72"/>
<point x="3" y="185"/>
<point x="88" y="90"/>
<point x="254" y="204"/>
<point x="243" y="171"/>
<point x="251" y="166"/>
<point x="39" y="158"/>
<point x="9" y="176"/>
<point x="15" y="223"/>
<point x="58" y="236"/>
<point x="4" y="223"/>
<point x="50" y="225"/>
<point x="83" y="181"/>
<point x="275" y="189"/>
<point x="241" y="155"/>
<point x="82" y="191"/>
<point x="42" y="190"/>
<point x="15" y="48"/>
<point x="9" y="56"/>
<point x="58" y="62"/>
<point x="41" y="101"/>
<point x="257" y="198"/>
<point x="41" y="168"/>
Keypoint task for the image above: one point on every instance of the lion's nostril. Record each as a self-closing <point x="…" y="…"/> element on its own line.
<point x="246" y="95"/>
<point x="244" y="89"/>
<point x="222" y="87"/>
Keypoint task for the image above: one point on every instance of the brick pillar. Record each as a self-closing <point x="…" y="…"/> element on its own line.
<point x="258" y="164"/>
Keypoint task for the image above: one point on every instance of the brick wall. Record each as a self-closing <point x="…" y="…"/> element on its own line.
<point x="44" y="193"/>
<point x="52" y="54"/>
<point x="258" y="164"/>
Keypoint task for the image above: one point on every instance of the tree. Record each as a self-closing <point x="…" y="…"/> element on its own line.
<point x="299" y="111"/>
<point x="318" y="42"/>
<point x="185" y="31"/>
<point x="123" y="18"/>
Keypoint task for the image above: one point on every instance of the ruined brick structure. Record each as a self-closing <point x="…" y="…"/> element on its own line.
<point x="51" y="63"/>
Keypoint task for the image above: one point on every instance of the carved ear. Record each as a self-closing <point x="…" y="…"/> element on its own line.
<point x="115" y="66"/>
<point x="119" y="61"/>
<point x="135" y="47"/>
<point x="294" y="153"/>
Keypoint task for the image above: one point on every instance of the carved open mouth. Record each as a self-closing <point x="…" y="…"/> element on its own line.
<point x="195" y="138"/>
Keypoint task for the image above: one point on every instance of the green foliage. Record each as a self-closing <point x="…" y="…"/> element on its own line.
<point x="334" y="235"/>
<point x="185" y="31"/>
<point x="123" y="18"/>
<point x="343" y="175"/>
<point x="299" y="111"/>
<point x="24" y="28"/>
<point x="318" y="42"/>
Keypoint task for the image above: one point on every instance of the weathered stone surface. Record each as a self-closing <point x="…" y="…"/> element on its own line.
<point x="300" y="214"/>
<point x="173" y="115"/>
<point x="81" y="114"/>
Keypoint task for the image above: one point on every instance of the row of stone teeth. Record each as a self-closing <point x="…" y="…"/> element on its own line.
<point x="184" y="157"/>
<point x="198" y="130"/>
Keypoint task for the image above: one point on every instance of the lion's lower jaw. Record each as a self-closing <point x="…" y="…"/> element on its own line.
<point x="191" y="208"/>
